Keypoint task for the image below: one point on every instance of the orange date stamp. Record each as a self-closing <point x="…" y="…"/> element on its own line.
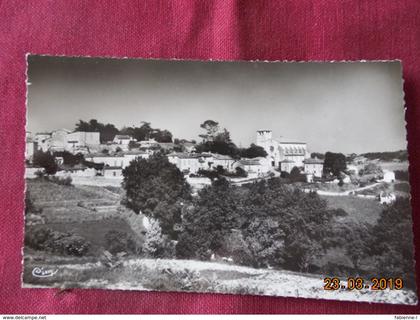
<point x="359" y="283"/>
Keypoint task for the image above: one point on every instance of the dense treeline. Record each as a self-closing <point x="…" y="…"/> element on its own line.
<point x="109" y="131"/>
<point x="401" y="155"/>
<point x="274" y="225"/>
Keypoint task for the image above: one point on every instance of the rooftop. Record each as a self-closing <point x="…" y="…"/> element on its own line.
<point x="185" y="155"/>
<point x="287" y="161"/>
<point x="122" y="137"/>
<point x="313" y="161"/>
<point x="221" y="157"/>
<point x="112" y="168"/>
<point x="103" y="155"/>
<point x="133" y="152"/>
<point x="291" y="142"/>
<point x="250" y="162"/>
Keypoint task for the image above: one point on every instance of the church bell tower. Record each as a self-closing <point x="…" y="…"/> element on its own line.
<point x="263" y="136"/>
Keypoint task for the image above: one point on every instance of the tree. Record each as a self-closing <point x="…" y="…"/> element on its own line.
<point x="208" y="221"/>
<point x="133" y="145"/>
<point x="107" y="131"/>
<point x="156" y="188"/>
<point x="45" y="160"/>
<point x="302" y="220"/>
<point x="265" y="240"/>
<point x="146" y="132"/>
<point x="334" y="163"/>
<point x="211" y="127"/>
<point x="253" y="151"/>
<point x="141" y="133"/>
<point x="70" y="159"/>
<point x="161" y="135"/>
<point x="393" y="252"/>
<point x="317" y="155"/>
<point x="217" y="142"/>
<point x="154" y="243"/>
<point x="296" y="176"/>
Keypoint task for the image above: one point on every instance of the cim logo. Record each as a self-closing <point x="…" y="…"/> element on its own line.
<point x="40" y="272"/>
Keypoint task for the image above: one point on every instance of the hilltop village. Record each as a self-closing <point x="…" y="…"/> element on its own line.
<point x="87" y="158"/>
<point x="117" y="154"/>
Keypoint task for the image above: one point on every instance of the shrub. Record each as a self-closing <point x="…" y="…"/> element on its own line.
<point x="67" y="181"/>
<point x="284" y="175"/>
<point x="401" y="175"/>
<point x="29" y="204"/>
<point x="48" y="240"/>
<point x="157" y="245"/>
<point x="37" y="238"/>
<point x="211" y="174"/>
<point x="240" y="172"/>
<point x="116" y="241"/>
<point x="45" y="160"/>
<point x="70" y="244"/>
<point x="403" y="187"/>
<point x="296" y="175"/>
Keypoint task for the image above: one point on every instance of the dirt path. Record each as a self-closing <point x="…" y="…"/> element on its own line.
<point x="345" y="193"/>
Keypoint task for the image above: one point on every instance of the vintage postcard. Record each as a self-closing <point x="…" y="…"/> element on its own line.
<point x="280" y="179"/>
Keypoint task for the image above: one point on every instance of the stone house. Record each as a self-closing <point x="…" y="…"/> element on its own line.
<point x="191" y="162"/>
<point x="313" y="166"/>
<point x="224" y="161"/>
<point x="256" y="167"/>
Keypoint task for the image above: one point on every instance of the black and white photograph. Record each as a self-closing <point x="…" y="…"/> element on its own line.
<point x="281" y="179"/>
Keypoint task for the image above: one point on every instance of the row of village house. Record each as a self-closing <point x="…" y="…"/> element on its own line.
<point x="188" y="163"/>
<point x="87" y="142"/>
<point x="280" y="155"/>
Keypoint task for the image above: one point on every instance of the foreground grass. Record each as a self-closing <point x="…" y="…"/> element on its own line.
<point x="196" y="276"/>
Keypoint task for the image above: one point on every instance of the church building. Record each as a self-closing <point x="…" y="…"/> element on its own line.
<point x="278" y="152"/>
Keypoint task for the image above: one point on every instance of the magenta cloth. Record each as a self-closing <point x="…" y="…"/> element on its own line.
<point x="219" y="30"/>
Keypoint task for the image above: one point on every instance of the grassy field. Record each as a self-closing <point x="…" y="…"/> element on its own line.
<point x="86" y="211"/>
<point x="45" y="191"/>
<point x="392" y="166"/>
<point x="358" y="209"/>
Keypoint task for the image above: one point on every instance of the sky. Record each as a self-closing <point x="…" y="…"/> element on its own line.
<point x="339" y="107"/>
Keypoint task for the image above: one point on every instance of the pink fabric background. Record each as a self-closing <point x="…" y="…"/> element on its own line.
<point x="224" y="30"/>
